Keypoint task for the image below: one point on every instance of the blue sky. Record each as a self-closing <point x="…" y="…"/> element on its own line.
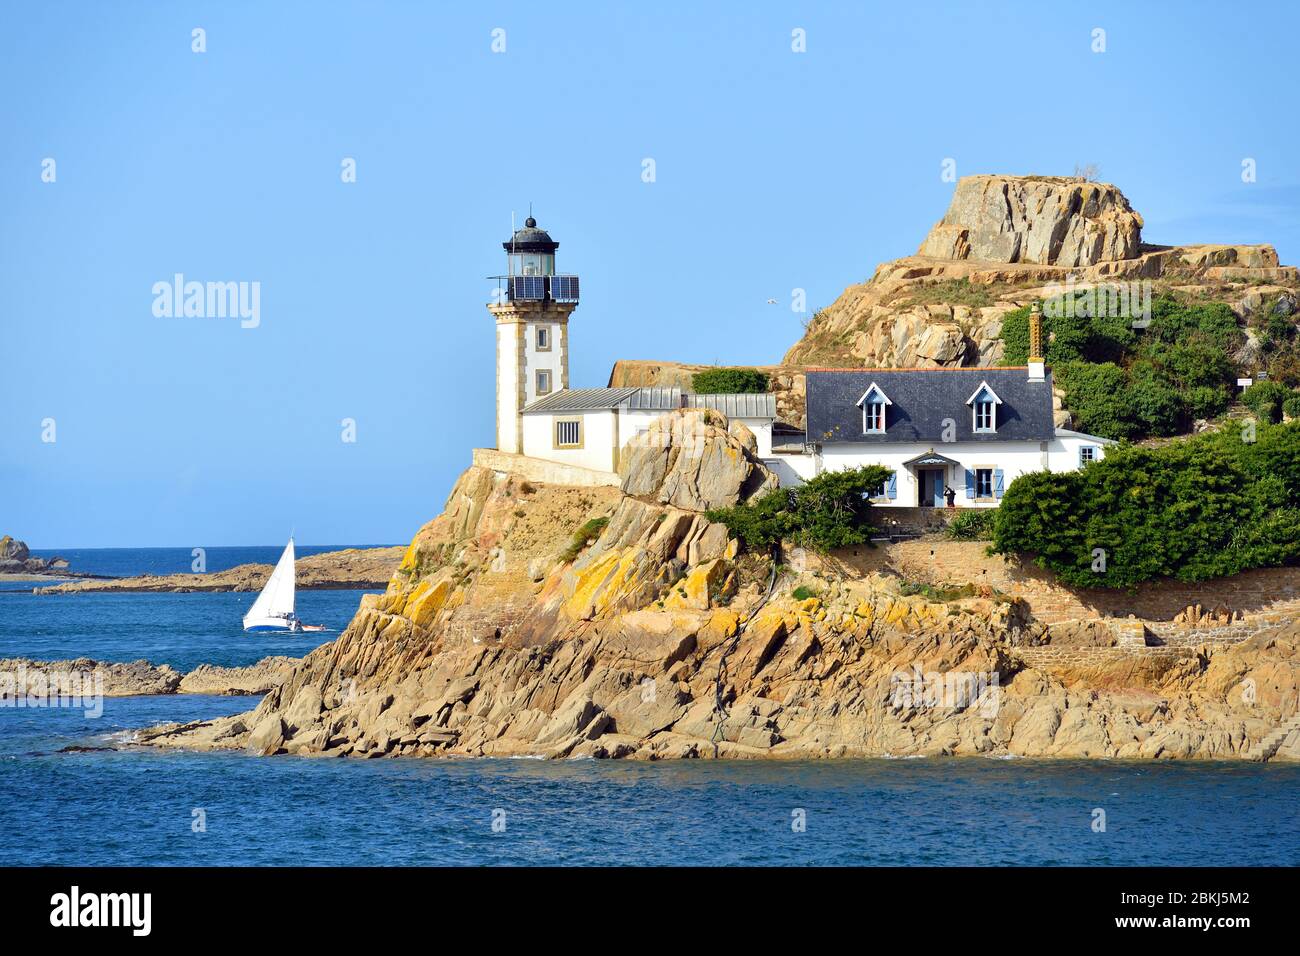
<point x="774" y="170"/>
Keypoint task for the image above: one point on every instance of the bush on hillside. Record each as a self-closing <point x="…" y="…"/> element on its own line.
<point x="1202" y="508"/>
<point x="1291" y="407"/>
<point x="727" y="380"/>
<point x="832" y="510"/>
<point x="1097" y="397"/>
<point x="1122" y="382"/>
<point x="1265" y="399"/>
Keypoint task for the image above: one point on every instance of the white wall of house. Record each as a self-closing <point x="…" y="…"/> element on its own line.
<point x="1065" y="450"/>
<point x="791" y="470"/>
<point x="1008" y="460"/>
<point x="598" y="439"/>
<point x="632" y="422"/>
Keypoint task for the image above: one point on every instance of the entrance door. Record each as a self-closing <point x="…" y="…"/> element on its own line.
<point x="930" y="493"/>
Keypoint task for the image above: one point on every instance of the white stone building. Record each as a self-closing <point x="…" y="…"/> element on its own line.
<point x="538" y="414"/>
<point x="946" y="434"/>
<point x="959" y="434"/>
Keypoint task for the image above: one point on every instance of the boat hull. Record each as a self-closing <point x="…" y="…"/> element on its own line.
<point x="267" y="625"/>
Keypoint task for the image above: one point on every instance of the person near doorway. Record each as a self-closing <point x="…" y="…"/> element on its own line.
<point x="951" y="495"/>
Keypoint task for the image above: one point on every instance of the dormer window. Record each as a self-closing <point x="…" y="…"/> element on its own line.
<point x="984" y="410"/>
<point x="874" y="403"/>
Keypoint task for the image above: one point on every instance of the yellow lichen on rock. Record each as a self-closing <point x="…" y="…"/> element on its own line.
<point x="696" y="590"/>
<point x="428" y="598"/>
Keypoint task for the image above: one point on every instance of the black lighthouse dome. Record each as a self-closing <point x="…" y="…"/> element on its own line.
<point x="531" y="239"/>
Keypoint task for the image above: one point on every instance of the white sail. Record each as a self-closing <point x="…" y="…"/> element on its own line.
<point x="273" y="608"/>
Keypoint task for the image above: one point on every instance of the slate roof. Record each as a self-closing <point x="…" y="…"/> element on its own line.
<point x="922" y="400"/>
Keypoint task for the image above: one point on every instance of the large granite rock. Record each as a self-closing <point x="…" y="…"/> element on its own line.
<point x="694" y="459"/>
<point x="1041" y="219"/>
<point x="12" y="550"/>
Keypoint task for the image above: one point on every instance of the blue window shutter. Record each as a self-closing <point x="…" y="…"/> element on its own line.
<point x="892" y="490"/>
<point x="997" y="482"/>
<point x="970" y="484"/>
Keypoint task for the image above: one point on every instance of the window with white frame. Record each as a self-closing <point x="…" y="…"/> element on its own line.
<point x="873" y="417"/>
<point x="568" y="433"/>
<point x="543" y="381"/>
<point x="1087" y="453"/>
<point x="874" y="402"/>
<point x="983" y="482"/>
<point x="984" y="409"/>
<point x="543" y="339"/>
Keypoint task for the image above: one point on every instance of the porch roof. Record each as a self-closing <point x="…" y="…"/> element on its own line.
<point x="930" y="458"/>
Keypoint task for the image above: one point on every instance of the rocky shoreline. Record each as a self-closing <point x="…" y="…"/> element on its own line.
<point x="20" y="676"/>
<point x="505" y="633"/>
<point x="348" y="569"/>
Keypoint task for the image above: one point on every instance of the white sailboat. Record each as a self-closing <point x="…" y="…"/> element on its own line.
<point x="273" y="609"/>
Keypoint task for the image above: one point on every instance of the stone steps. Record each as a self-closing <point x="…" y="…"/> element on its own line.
<point x="1267" y="748"/>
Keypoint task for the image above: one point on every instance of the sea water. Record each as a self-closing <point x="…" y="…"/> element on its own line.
<point x="139" y="806"/>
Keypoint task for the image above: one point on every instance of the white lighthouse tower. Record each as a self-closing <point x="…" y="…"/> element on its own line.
<point x="532" y="314"/>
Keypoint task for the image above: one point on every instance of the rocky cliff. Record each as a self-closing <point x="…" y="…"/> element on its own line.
<point x="620" y="622"/>
<point x="1003" y="241"/>
<point x="1042" y="219"/>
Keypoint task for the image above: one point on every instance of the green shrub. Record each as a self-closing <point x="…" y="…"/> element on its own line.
<point x="1155" y="407"/>
<point x="803" y="593"/>
<point x="1291" y="407"/>
<point x="1097" y="395"/>
<point x="1122" y="383"/>
<point x="1196" y="509"/>
<point x="1265" y="399"/>
<point x="1015" y="336"/>
<point x="727" y="380"/>
<point x="1206" y="402"/>
<point x="588" y="533"/>
<point x="832" y="510"/>
<point x="972" y="525"/>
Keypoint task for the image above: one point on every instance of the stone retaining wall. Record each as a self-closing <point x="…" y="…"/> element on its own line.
<point x="1048" y="656"/>
<point x="940" y="562"/>
<point x="546" y="472"/>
